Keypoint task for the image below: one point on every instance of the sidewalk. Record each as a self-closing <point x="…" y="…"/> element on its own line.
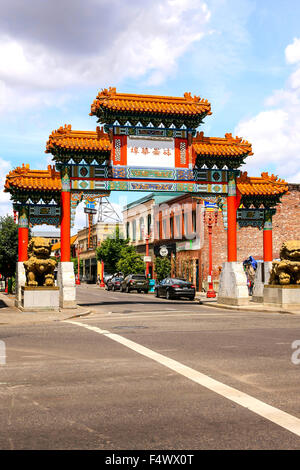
<point x="10" y="315"/>
<point x="250" y="307"/>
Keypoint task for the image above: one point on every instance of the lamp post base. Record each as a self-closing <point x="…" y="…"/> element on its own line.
<point x="211" y="293"/>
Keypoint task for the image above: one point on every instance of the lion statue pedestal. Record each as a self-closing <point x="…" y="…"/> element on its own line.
<point x="284" y="284"/>
<point x="39" y="292"/>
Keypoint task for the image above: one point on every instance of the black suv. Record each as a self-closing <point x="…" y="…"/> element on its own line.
<point x="137" y="282"/>
<point x="171" y="288"/>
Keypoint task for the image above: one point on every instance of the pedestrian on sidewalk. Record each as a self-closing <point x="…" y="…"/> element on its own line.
<point x="250" y="266"/>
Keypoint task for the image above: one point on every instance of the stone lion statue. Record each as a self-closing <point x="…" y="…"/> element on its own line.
<point x="40" y="267"/>
<point x="287" y="270"/>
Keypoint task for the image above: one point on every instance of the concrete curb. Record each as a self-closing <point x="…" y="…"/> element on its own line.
<point x="257" y="308"/>
<point x="11" y="315"/>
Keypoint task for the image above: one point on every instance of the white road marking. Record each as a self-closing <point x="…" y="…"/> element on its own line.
<point x="275" y="415"/>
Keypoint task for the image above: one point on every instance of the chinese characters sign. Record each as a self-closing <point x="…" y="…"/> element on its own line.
<point x="147" y="153"/>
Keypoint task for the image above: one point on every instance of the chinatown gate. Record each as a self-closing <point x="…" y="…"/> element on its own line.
<point x="146" y="143"/>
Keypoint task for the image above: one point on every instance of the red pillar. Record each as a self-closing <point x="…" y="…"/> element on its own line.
<point x="102" y="284"/>
<point x="231" y="219"/>
<point x="23" y="235"/>
<point x="65" y="224"/>
<point x="23" y="244"/>
<point x="268" y="242"/>
<point x="65" y="227"/>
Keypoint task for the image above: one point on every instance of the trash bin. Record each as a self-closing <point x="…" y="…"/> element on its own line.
<point x="151" y="285"/>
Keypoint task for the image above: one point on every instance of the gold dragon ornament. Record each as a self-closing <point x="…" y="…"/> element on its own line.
<point x="287" y="270"/>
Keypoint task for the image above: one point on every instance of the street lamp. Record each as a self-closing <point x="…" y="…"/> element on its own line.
<point x="147" y="254"/>
<point x="78" y="265"/>
<point x="147" y="238"/>
<point x="210" y="218"/>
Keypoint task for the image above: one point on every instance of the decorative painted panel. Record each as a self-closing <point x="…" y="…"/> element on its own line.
<point x="91" y="185"/>
<point x="182" y="153"/>
<point x="150" y="152"/>
<point x="251" y="218"/>
<point x="38" y="211"/>
<point x="44" y="215"/>
<point x="167" y="174"/>
<point x="117" y="150"/>
<point x="231" y="184"/>
<point x="45" y="220"/>
<point x="65" y="179"/>
<point x="23" y="217"/>
<point x="149" y="131"/>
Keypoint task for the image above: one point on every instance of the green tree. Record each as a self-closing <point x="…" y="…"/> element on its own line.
<point x="8" y="246"/>
<point x="162" y="268"/>
<point x="110" y="251"/>
<point x="130" y="261"/>
<point x="75" y="264"/>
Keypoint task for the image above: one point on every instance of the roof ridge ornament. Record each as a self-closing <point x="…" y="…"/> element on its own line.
<point x="273" y="178"/>
<point x="244" y="178"/>
<point x="100" y="132"/>
<point x="188" y="96"/>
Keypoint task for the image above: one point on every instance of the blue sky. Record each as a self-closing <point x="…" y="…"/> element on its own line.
<point x="241" y="55"/>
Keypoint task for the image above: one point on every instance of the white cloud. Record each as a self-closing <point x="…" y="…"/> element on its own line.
<point x="139" y="39"/>
<point x="292" y="52"/>
<point x="275" y="131"/>
<point x="5" y="204"/>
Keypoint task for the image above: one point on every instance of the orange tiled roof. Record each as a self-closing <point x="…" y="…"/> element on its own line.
<point x="56" y="246"/>
<point x="66" y="139"/>
<point x="186" y="105"/>
<point x="218" y="146"/>
<point x="25" y="178"/>
<point x="266" y="185"/>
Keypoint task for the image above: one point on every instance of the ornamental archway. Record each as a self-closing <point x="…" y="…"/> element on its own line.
<point x="147" y="143"/>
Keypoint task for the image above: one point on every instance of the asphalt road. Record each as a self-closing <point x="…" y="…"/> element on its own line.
<point x="65" y="386"/>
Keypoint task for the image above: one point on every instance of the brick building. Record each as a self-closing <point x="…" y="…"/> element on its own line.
<point x="178" y="221"/>
<point x="286" y="226"/>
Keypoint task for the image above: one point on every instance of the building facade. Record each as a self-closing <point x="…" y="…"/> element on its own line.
<point x="90" y="268"/>
<point x="52" y="236"/>
<point x="177" y="222"/>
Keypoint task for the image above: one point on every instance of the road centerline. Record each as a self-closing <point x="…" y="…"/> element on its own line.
<point x="269" y="412"/>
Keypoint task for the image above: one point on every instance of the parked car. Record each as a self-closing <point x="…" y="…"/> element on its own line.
<point x="175" y="288"/>
<point x="137" y="282"/>
<point x="114" y="283"/>
<point x="106" y="277"/>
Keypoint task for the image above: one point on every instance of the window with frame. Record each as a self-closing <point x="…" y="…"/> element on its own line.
<point x="134" y="231"/>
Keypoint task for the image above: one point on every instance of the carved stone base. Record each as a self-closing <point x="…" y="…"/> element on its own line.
<point x="20" y="281"/>
<point x="233" y="288"/>
<point x="66" y="284"/>
<point x="262" y="276"/>
<point x="39" y="298"/>
<point x="282" y="296"/>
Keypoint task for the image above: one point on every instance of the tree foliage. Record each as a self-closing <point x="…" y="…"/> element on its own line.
<point x="130" y="261"/>
<point x="162" y="268"/>
<point x="75" y="264"/>
<point x="110" y="251"/>
<point x="8" y="246"/>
